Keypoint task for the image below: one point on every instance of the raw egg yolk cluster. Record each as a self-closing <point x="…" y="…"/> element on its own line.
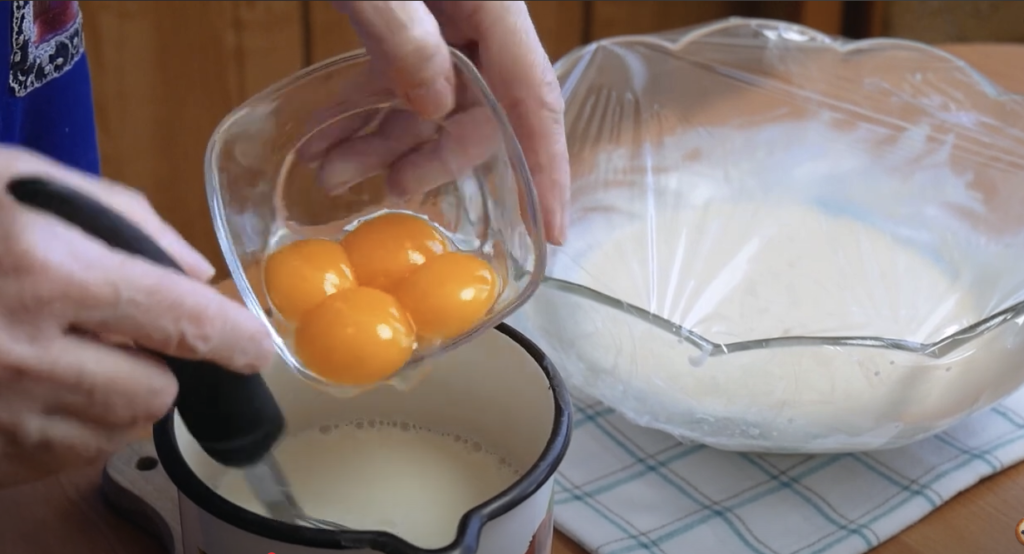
<point x="302" y="274"/>
<point x="360" y="306"/>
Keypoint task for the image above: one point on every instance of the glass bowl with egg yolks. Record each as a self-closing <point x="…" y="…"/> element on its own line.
<point x="367" y="238"/>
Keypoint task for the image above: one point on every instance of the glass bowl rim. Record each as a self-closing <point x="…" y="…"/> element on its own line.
<point x="675" y="41"/>
<point x="529" y="207"/>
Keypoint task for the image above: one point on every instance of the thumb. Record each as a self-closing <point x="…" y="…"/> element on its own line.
<point x="405" y="39"/>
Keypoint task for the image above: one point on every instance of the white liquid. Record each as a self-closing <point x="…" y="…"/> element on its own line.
<point x="744" y="271"/>
<point x="762" y="228"/>
<point x="385" y="476"/>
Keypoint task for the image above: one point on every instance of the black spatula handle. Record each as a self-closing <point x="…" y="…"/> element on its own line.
<point x="234" y="417"/>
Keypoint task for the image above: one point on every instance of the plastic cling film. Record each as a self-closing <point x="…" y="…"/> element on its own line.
<point x="783" y="241"/>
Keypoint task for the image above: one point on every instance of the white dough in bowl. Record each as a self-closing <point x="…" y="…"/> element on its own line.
<point x="734" y="271"/>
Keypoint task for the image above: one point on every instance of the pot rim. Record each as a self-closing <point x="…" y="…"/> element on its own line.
<point x="470" y="525"/>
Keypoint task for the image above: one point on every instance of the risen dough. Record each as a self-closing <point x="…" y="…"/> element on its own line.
<point x="741" y="271"/>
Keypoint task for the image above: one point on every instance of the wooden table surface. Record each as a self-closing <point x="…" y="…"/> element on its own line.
<point x="65" y="514"/>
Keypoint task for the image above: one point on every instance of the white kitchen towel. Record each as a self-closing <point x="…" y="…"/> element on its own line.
<point x="624" y="489"/>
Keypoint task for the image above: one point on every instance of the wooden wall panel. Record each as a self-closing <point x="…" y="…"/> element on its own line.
<point x="610" y="18"/>
<point x="823" y="16"/>
<point x="953" y="21"/>
<point x="826" y="17"/>
<point x="623" y="17"/>
<point x="561" y="25"/>
<point x="937" y="22"/>
<point x="165" y="74"/>
<point x="330" y="32"/>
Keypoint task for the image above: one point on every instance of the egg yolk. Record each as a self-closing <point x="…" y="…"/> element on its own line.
<point x="386" y="248"/>
<point x="447" y="295"/>
<point x="299" y="275"/>
<point x="358" y="336"/>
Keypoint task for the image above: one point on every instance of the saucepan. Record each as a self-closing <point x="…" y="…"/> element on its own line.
<point x="462" y="463"/>
<point x="484" y="432"/>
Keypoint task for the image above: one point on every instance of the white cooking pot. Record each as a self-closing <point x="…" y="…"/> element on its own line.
<point x="499" y="388"/>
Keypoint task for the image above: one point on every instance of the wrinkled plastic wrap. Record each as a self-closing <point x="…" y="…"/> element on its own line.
<point x="327" y="148"/>
<point x="783" y="241"/>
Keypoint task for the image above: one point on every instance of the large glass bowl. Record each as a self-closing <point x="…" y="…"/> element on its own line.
<point x="321" y="151"/>
<point x="783" y="241"/>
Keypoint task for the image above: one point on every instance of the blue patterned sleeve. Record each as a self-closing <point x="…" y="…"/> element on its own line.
<point x="47" y="103"/>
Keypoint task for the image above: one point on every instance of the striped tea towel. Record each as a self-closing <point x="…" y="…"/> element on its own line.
<point x="624" y="489"/>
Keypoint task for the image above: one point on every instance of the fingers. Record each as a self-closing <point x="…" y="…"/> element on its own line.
<point x="76" y="401"/>
<point x="134" y="206"/>
<point x="172" y="314"/>
<point x="418" y="155"/>
<point x="467" y="140"/>
<point x="347" y="113"/>
<point x="102" y="385"/>
<point x="128" y="202"/>
<point x="254" y="275"/>
<point x="228" y="288"/>
<point x="359" y="158"/>
<point x="327" y="130"/>
<point x="404" y="38"/>
<point x="108" y="292"/>
<point x="522" y="79"/>
<point x="36" y="445"/>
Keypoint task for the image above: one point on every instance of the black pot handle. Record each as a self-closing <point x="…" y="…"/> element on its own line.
<point x="234" y="417"/>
